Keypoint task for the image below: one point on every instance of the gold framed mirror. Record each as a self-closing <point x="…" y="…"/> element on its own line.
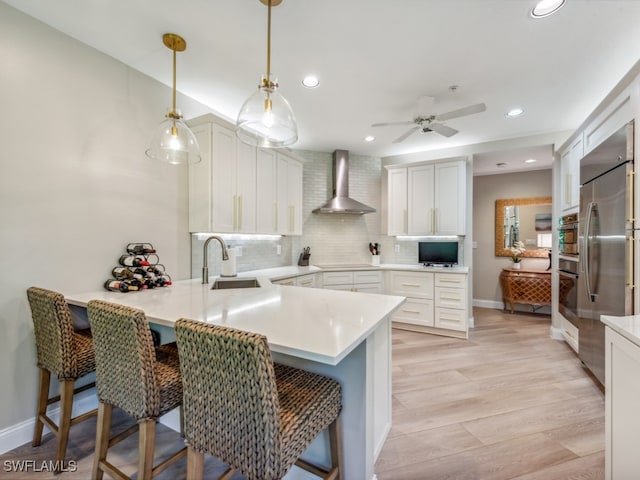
<point x="527" y="220"/>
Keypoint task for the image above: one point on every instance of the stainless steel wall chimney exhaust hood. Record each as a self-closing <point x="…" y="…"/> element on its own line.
<point x="341" y="202"/>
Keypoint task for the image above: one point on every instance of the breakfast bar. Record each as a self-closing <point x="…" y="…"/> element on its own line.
<point x="344" y="335"/>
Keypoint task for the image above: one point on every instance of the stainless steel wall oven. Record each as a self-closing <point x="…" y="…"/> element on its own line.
<point x="568" y="300"/>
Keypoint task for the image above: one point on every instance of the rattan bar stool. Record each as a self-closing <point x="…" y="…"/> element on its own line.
<point x="132" y="375"/>
<point x="65" y="353"/>
<point x="255" y="415"/>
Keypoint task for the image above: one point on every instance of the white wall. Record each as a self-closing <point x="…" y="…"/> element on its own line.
<point x="75" y="185"/>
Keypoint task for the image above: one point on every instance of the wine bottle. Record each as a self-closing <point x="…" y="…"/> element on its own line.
<point x="114" y="285"/>
<point x="163" y="281"/>
<point x="132" y="261"/>
<point x="140" y="248"/>
<point x="155" y="270"/>
<point x="121" y="272"/>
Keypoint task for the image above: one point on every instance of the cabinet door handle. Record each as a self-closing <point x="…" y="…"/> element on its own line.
<point x="306" y="282"/>
<point x="432" y="230"/>
<point x="292" y="218"/>
<point x="405" y="221"/>
<point x="411" y="285"/>
<point x="239" y="212"/>
<point x="275" y="217"/>
<point x="411" y="311"/>
<point x="235" y="212"/>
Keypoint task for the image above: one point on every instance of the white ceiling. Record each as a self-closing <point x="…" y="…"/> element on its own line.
<point x="374" y="59"/>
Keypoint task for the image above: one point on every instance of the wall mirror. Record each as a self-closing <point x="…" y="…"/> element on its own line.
<point x="527" y="220"/>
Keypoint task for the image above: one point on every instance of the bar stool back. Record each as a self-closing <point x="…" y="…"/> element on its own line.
<point x="252" y="414"/>
<point x="65" y="353"/>
<point x="132" y="375"/>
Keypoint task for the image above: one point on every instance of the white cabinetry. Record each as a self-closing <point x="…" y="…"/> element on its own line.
<point x="289" y="195"/>
<point x="570" y="171"/>
<point x="570" y="333"/>
<point x="450" y="301"/>
<point x="225" y="195"/>
<point x="620" y="111"/>
<point x="427" y="199"/>
<point x="436" y="302"/>
<point x="353" y="281"/>
<point x="622" y="397"/>
<point x="397" y="201"/>
<point x="308" y="280"/>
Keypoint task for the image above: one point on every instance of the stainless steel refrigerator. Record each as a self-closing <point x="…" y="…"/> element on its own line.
<point x="606" y="243"/>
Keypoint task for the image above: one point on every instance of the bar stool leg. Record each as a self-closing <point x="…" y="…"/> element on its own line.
<point x="66" y="406"/>
<point x="103" y="432"/>
<point x="335" y="444"/>
<point x="43" y="399"/>
<point x="195" y="464"/>
<point x="146" y="445"/>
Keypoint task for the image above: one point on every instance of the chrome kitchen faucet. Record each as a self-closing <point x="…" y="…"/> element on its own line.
<point x="225" y="256"/>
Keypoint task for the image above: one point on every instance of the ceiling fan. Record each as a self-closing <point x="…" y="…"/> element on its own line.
<point x="431" y="123"/>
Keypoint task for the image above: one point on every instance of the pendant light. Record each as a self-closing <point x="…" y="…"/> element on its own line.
<point x="173" y="141"/>
<point x="266" y="118"/>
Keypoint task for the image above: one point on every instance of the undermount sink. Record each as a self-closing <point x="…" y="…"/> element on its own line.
<point x="226" y="283"/>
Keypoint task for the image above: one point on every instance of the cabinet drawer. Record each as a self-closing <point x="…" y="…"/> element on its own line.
<point x="367" y="277"/>
<point x="306" y="281"/>
<point x="453" y="280"/>
<point x="337" y="278"/>
<point x="411" y="284"/>
<point x="367" y="288"/>
<point x="450" y="297"/>
<point x="450" y="319"/>
<point x="416" y="312"/>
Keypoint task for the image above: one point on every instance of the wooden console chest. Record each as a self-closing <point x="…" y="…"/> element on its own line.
<point x="530" y="287"/>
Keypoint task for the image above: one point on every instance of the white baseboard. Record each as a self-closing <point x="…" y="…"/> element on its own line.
<point x="487" y="304"/>
<point x="21" y="433"/>
<point x="556" y="333"/>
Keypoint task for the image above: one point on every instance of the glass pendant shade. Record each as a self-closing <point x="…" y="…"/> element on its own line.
<point x="266" y="119"/>
<point x="173" y="142"/>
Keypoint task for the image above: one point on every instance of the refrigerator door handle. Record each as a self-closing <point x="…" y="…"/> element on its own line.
<point x="587" y="250"/>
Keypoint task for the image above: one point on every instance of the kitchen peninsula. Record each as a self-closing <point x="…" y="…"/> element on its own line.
<point x="344" y="335"/>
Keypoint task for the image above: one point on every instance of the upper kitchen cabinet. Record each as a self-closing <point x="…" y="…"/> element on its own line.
<point x="570" y="171"/>
<point x="279" y="193"/>
<point x="224" y="193"/>
<point x="222" y="186"/>
<point x="289" y="195"/>
<point x="427" y="199"/>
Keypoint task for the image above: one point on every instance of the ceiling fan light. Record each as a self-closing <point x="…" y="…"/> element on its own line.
<point x="266" y="119"/>
<point x="544" y="8"/>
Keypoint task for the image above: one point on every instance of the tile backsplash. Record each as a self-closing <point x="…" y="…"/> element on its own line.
<point x="332" y="238"/>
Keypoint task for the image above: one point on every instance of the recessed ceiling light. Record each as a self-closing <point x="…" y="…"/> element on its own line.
<point x="544" y="8"/>
<point x="530" y="160"/>
<point x="514" y="112"/>
<point x="310" y="81"/>
<point x="369" y="138"/>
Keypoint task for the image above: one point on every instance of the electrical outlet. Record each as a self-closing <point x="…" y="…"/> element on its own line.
<point x="278" y="249"/>
<point x="238" y="251"/>
<point x="397" y="248"/>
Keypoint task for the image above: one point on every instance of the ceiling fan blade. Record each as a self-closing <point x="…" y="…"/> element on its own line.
<point x="402" y="137"/>
<point x="443" y="129"/>
<point x="392" y="123"/>
<point x="471" y="109"/>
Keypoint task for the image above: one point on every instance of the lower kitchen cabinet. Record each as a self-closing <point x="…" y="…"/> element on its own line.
<point x="308" y="280"/>
<point x="570" y="333"/>
<point x="354" y="281"/>
<point x="622" y="397"/>
<point x="436" y="302"/>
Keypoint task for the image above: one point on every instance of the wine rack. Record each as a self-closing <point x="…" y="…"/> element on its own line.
<point x="139" y="268"/>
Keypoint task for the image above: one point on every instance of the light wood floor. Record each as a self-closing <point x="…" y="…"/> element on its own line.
<point x="509" y="403"/>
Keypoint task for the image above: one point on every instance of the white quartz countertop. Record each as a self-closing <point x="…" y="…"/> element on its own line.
<point x="293" y="271"/>
<point x="627" y="326"/>
<point x="315" y="324"/>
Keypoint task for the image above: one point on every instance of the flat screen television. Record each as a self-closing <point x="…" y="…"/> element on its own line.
<point x="438" y="253"/>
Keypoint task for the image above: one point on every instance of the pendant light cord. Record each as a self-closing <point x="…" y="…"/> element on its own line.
<point x="269" y="43"/>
